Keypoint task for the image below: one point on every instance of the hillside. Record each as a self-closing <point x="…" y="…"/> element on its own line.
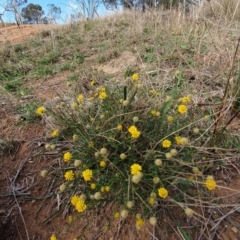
<point x="72" y="80"/>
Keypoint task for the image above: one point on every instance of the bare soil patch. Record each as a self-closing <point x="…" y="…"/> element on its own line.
<point x="13" y="34"/>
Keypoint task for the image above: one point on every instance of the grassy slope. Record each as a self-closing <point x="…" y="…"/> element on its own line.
<point x="202" y="49"/>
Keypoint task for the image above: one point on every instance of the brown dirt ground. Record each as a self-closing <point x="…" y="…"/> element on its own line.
<point x="23" y="206"/>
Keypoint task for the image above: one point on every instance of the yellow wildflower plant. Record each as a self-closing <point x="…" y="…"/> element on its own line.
<point x="74" y="200"/>
<point x="119" y="127"/>
<point x="178" y="140"/>
<point x="53" y="237"/>
<point x="139" y="223"/>
<point x="182" y="109"/>
<point x="135" y="77"/>
<point x="87" y="175"/>
<point x="102" y="163"/>
<point x="80" y="98"/>
<point x="136" y="169"/>
<point x="93" y="186"/>
<point x="170" y="119"/>
<point x="162" y="192"/>
<point x="166" y="143"/>
<point x="92" y="83"/>
<point x="67" y="157"/>
<point x="81" y="206"/>
<point x="69" y="175"/>
<point x="102" y="95"/>
<point x="134" y="132"/>
<point x="40" y="111"/>
<point x="55" y="133"/>
<point x="153" y="112"/>
<point x="210" y="183"/>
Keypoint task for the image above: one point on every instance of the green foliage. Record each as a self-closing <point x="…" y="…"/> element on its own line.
<point x="130" y="137"/>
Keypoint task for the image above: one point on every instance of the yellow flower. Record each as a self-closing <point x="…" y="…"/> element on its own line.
<point x="185" y="100"/>
<point x="139" y="222"/>
<point x="74" y="200"/>
<point x="182" y="109"/>
<point x="55" y="133"/>
<point x="53" y="237"/>
<point x="70" y="219"/>
<point x="81" y="206"/>
<point x="87" y="174"/>
<point x="210" y="184"/>
<point x="178" y="140"/>
<point x="177" y="72"/>
<point x="92" y="83"/>
<point x="134" y="132"/>
<point x="119" y="127"/>
<point x="69" y="175"/>
<point x="90" y="144"/>
<point x="166" y="143"/>
<point x="116" y="215"/>
<point x="40" y="111"/>
<point x="151" y="201"/>
<point x="93" y="186"/>
<point x="75" y="138"/>
<point x="136" y="169"/>
<point x="102" y="95"/>
<point x="107" y="188"/>
<point x="80" y="97"/>
<point x="153" y="112"/>
<point x="135" y="77"/>
<point x="102" y="163"/>
<point x="170" y="119"/>
<point x="162" y="192"/>
<point x="67" y="157"/>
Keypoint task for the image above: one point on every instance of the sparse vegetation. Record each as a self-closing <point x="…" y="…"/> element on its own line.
<point x="146" y="142"/>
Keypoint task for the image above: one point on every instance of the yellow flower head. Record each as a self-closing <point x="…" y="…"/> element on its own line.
<point x="92" y="83"/>
<point x="162" y="192"/>
<point x="182" y="108"/>
<point x="80" y="97"/>
<point x="119" y="127"/>
<point x="74" y="200"/>
<point x="75" y="137"/>
<point x="178" y="140"/>
<point x="55" y="133"/>
<point x="69" y="175"/>
<point x="135" y="77"/>
<point x="166" y="143"/>
<point x="67" y="157"/>
<point x="134" y="132"/>
<point x="40" y="111"/>
<point x="139" y="222"/>
<point x="87" y="175"/>
<point x="136" y="169"/>
<point x="151" y="200"/>
<point x="102" y="95"/>
<point x="107" y="188"/>
<point x="170" y="119"/>
<point x="93" y="186"/>
<point x="103" y="163"/>
<point x="90" y="144"/>
<point x="153" y="112"/>
<point x="70" y="219"/>
<point x="185" y="100"/>
<point x="116" y="215"/>
<point x="53" y="237"/>
<point x="81" y="206"/>
<point x="210" y="184"/>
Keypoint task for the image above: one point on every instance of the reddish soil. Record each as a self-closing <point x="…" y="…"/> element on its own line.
<point x="13" y="34"/>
